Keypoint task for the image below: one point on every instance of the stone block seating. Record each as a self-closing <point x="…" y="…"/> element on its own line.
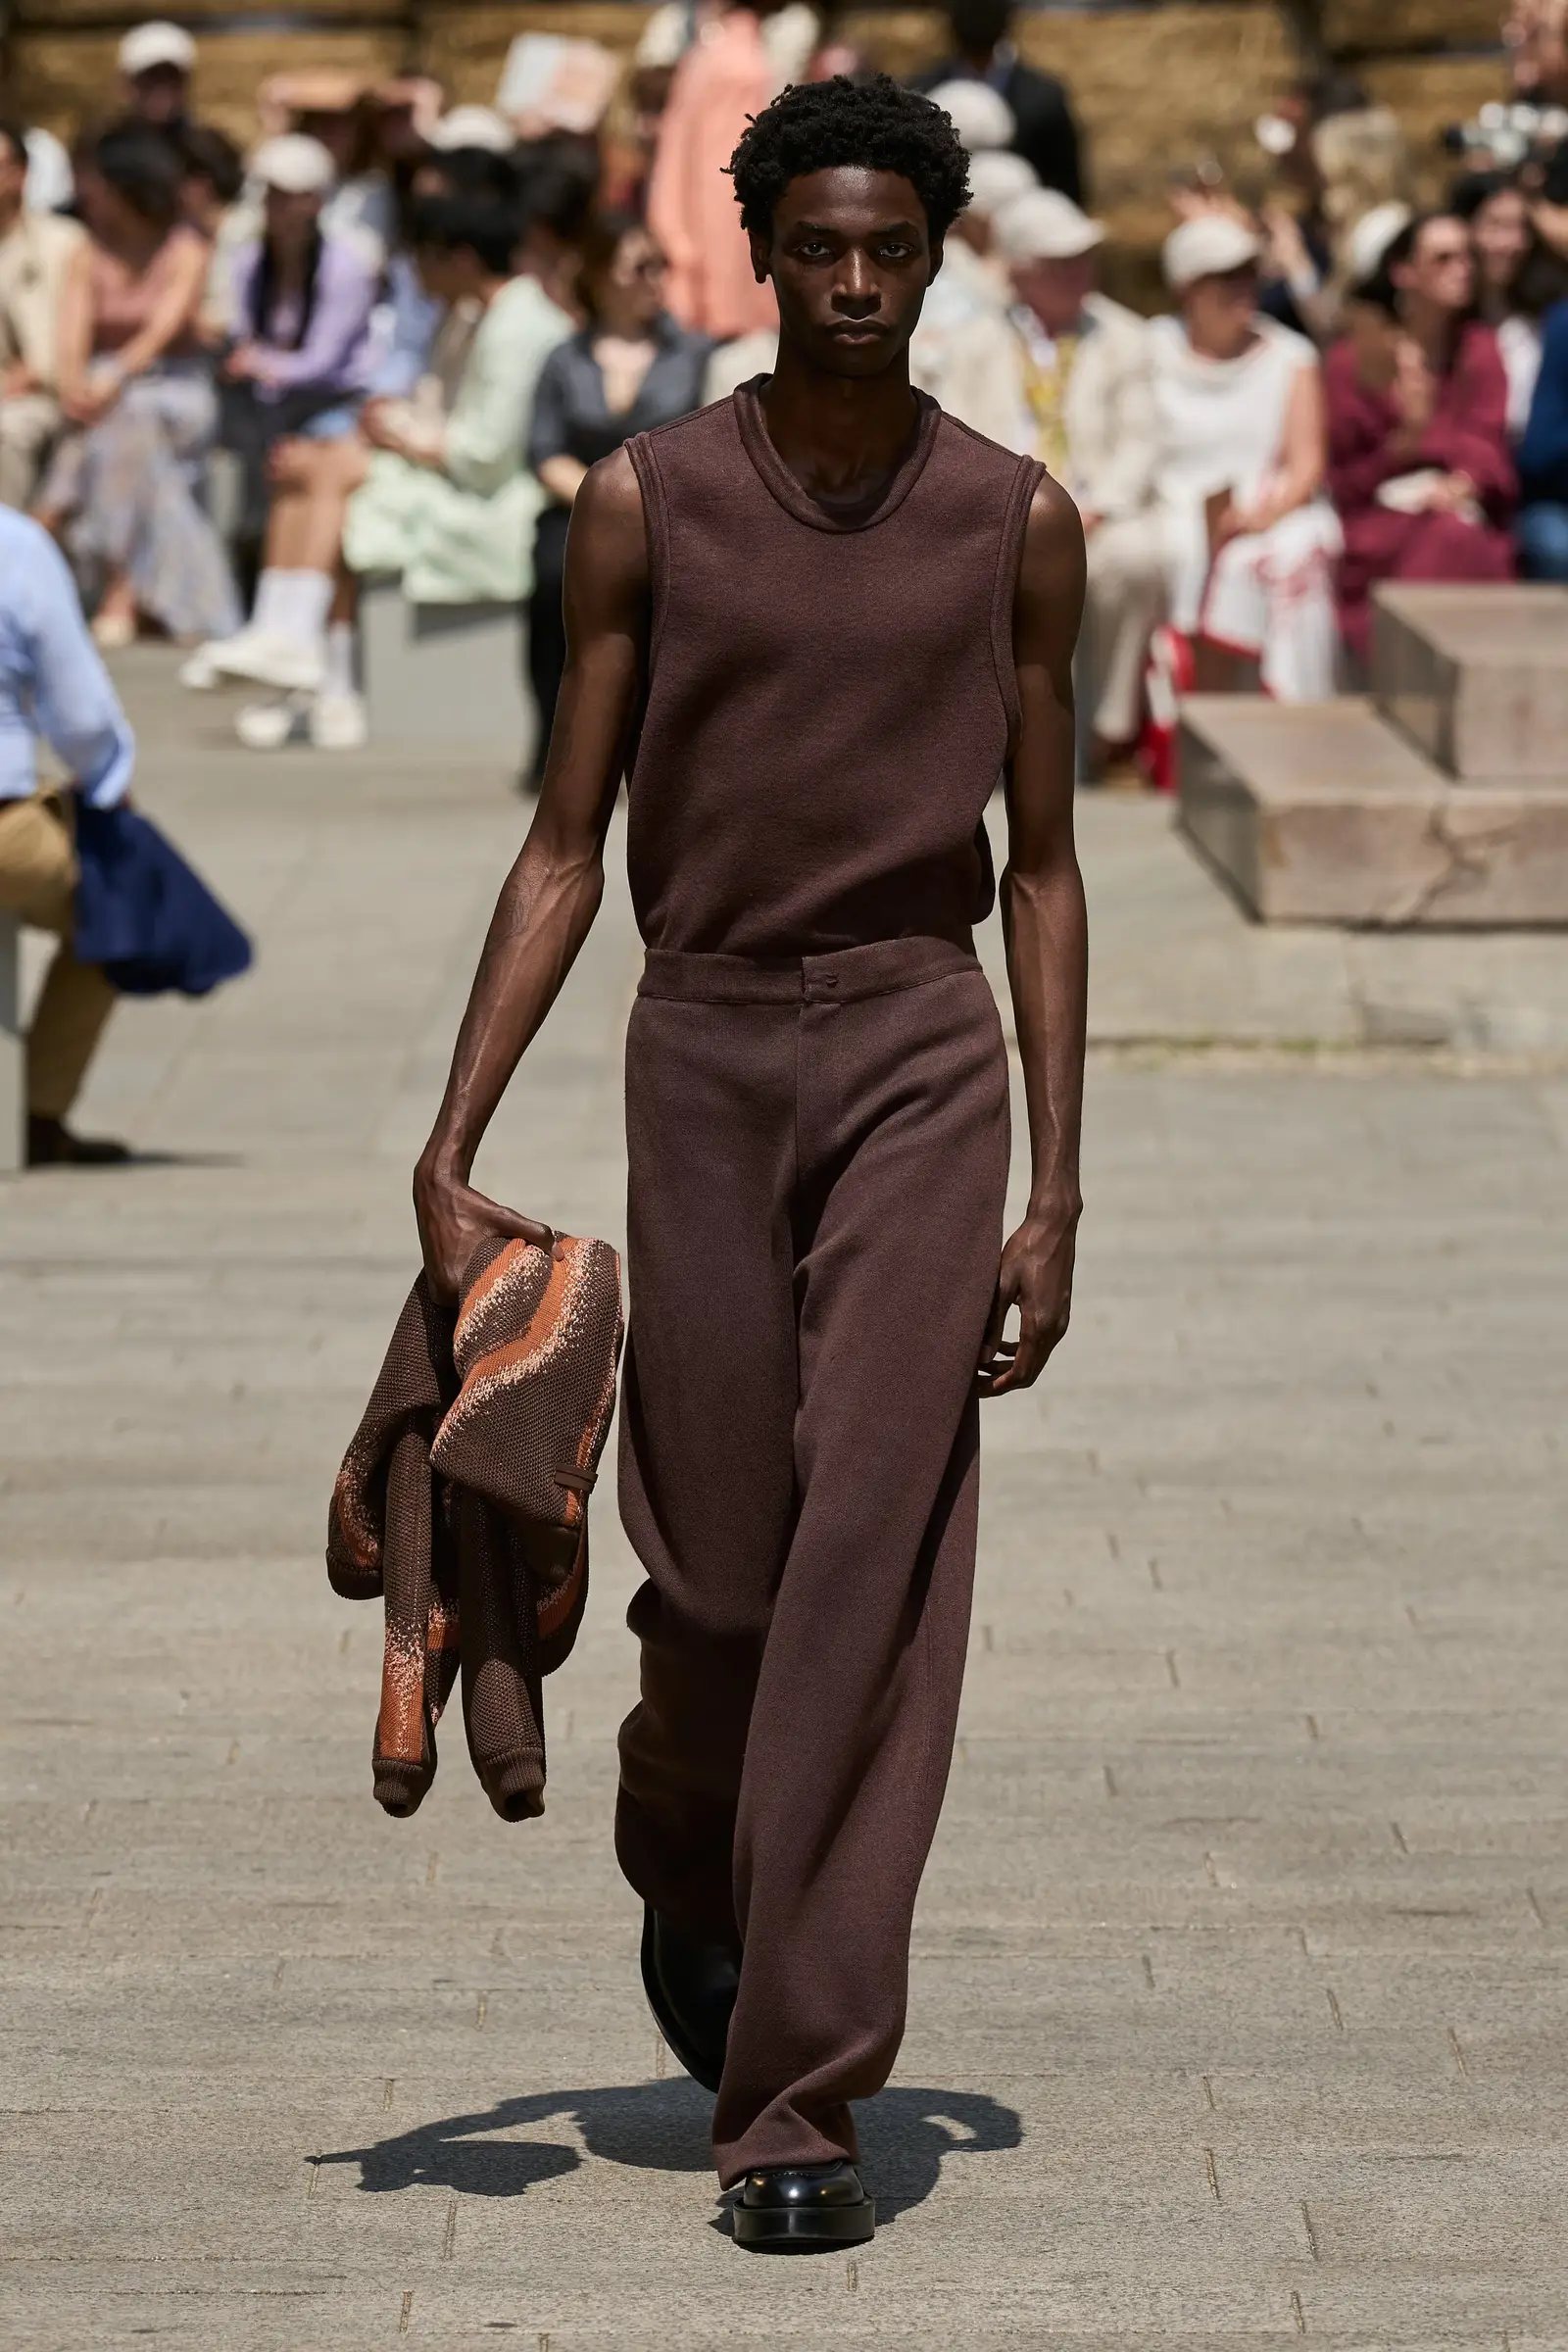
<point x="1440" y="800"/>
<point x="444" y="674"/>
<point x="13" y="1051"/>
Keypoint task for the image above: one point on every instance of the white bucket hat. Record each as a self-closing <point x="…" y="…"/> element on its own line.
<point x="294" y="165"/>
<point x="473" y="126"/>
<point x="147" y="46"/>
<point x="980" y="115"/>
<point x="1044" y="225"/>
<point x="1210" y="246"/>
<point x="996" y="179"/>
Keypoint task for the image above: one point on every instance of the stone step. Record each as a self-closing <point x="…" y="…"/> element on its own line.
<point x="1323" y="813"/>
<point x="1476" y="676"/>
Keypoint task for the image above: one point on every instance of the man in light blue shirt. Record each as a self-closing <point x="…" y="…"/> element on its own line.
<point x="53" y="684"/>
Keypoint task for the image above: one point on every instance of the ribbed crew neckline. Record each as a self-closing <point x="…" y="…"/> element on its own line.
<point x="794" y="499"/>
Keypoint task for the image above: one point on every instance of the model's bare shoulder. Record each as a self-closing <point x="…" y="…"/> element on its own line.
<point x="607" y="517"/>
<point x="607" y="551"/>
<point x="1052" y="538"/>
<point x="1049" y="602"/>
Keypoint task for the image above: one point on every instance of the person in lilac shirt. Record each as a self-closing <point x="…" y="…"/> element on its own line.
<point x="303" y="304"/>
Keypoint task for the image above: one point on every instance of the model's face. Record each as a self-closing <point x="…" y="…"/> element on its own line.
<point x="850" y="259"/>
<point x="1500" y="232"/>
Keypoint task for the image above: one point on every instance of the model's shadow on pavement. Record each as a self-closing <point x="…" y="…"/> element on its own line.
<point x="663" y="2127"/>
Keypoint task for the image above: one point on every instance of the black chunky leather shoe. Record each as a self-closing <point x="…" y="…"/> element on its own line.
<point x="690" y="1990"/>
<point x="803" y="2211"/>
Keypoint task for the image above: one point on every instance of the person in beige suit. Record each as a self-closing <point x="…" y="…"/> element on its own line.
<point x="1065" y="376"/>
<point x="36" y="254"/>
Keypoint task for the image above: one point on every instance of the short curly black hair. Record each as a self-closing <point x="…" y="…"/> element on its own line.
<point x="816" y="125"/>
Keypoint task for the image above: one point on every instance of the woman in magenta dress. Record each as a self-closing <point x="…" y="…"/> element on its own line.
<point x="1419" y="461"/>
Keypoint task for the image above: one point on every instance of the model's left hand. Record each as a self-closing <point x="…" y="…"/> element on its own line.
<point x="1036" y="1278"/>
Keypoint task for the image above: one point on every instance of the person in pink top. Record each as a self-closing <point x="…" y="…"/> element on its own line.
<point x="1419" y="460"/>
<point x="123" y="491"/>
<point x="724" y="78"/>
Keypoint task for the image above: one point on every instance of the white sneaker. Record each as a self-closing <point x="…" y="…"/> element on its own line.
<point x="269" y="660"/>
<point x="338" y="723"/>
<point x="199" y="671"/>
<point x="269" y="726"/>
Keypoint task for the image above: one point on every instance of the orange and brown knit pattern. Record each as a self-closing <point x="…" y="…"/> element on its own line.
<point x="537" y="1343"/>
<point x="462" y="1503"/>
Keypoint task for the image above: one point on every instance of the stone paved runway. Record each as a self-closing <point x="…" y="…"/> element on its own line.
<point x="1241" y="1976"/>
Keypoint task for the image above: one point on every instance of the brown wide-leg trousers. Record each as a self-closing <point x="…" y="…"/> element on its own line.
<point x="819" y="1155"/>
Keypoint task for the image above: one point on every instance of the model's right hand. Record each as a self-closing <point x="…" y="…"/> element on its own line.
<point x="453" y="1219"/>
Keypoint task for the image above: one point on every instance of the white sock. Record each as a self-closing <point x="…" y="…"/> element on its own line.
<point x="339" y="677"/>
<point x="305" y="598"/>
<point x="272" y="595"/>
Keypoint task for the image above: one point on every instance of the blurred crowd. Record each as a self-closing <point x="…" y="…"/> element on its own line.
<point x="390" y="340"/>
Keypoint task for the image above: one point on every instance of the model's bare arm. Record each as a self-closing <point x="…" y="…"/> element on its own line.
<point x="553" y="892"/>
<point x="1046" y="930"/>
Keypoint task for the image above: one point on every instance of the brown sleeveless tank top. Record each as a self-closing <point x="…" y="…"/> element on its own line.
<point x="829" y="703"/>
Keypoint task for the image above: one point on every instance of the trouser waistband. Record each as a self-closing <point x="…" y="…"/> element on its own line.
<point x="880" y="969"/>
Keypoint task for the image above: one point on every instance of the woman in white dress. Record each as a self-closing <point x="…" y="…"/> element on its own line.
<point x="1250" y="539"/>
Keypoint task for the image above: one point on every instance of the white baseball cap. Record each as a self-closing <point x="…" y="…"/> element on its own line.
<point x="1044" y="225"/>
<point x="980" y="115"/>
<point x="1209" y="246"/>
<point x="294" y="165"/>
<point x="473" y="126"/>
<point x="996" y="179"/>
<point x="147" y="46"/>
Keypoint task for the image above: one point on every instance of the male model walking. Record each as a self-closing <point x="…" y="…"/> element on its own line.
<point x="813" y="624"/>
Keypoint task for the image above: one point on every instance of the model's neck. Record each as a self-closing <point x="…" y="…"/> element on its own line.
<point x="841" y="436"/>
<point x="10" y="215"/>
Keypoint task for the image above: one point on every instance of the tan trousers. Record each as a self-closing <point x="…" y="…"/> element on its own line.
<point x="28" y="424"/>
<point x="38" y="877"/>
<point x="1127" y="601"/>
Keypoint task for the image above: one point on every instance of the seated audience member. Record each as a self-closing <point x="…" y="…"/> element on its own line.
<point x="971" y="284"/>
<point x="156" y="64"/>
<point x="335" y="107"/>
<point x="469" y="155"/>
<point x="136" y="388"/>
<point x="1066" y="376"/>
<point x="631" y="368"/>
<point x="1419" y="463"/>
<point x="303" y="301"/>
<point x="1043" y="132"/>
<point x="1544" y="460"/>
<point x="1511" y="265"/>
<point x="36" y="250"/>
<point x="442" y="500"/>
<point x="1247" y="537"/>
